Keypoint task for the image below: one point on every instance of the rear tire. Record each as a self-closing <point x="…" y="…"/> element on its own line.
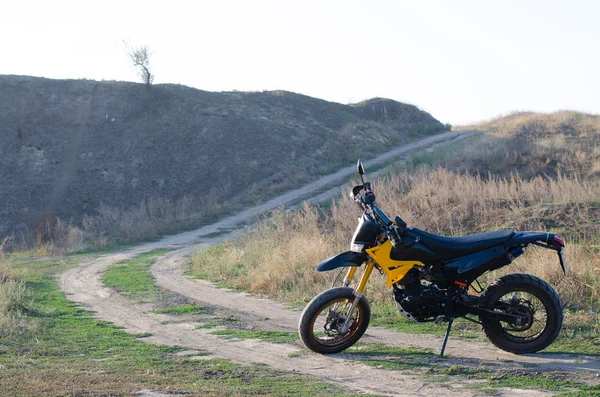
<point x="528" y="295"/>
<point x="325" y="313"/>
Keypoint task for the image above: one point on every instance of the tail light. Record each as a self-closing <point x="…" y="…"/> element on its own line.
<point x="558" y="241"/>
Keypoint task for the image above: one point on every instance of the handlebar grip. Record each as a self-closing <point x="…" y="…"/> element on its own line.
<point x="399" y="222"/>
<point x="381" y="215"/>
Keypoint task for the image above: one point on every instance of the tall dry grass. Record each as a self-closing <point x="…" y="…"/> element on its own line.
<point x="150" y="219"/>
<point x="3" y="244"/>
<point x="449" y="203"/>
<point x="278" y="258"/>
<point x="15" y="304"/>
<point x="533" y="144"/>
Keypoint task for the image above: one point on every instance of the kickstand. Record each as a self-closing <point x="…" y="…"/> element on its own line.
<point x="450" y="320"/>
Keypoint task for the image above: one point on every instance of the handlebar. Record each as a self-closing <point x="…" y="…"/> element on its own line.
<point x="381" y="215"/>
<point x="394" y="229"/>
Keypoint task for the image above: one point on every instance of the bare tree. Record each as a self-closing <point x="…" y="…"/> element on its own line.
<point x="140" y="57"/>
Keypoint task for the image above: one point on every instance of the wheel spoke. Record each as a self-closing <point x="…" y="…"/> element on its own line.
<point x="533" y="301"/>
<point x="328" y="323"/>
<point x="524" y="303"/>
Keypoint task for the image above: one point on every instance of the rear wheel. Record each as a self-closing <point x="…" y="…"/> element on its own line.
<point x="322" y="320"/>
<point x="530" y="297"/>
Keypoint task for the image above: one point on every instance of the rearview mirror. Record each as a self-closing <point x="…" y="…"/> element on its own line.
<point x="360" y="168"/>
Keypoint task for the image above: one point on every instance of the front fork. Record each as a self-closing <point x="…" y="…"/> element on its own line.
<point x="358" y="292"/>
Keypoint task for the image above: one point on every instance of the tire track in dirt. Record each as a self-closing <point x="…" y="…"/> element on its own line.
<point x="83" y="285"/>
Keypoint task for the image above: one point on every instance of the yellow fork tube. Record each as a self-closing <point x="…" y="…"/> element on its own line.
<point x="358" y="293"/>
<point x="349" y="276"/>
<point x="365" y="277"/>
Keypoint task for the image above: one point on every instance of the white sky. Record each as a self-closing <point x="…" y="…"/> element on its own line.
<point x="459" y="60"/>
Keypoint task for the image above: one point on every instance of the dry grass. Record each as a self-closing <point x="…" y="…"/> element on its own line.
<point x="15" y="303"/>
<point x="3" y="243"/>
<point x="150" y="219"/>
<point x="449" y="203"/>
<point x="534" y="144"/>
<point x="579" y="289"/>
<point x="278" y="259"/>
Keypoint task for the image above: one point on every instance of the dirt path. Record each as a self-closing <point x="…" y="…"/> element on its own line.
<point x="83" y="285"/>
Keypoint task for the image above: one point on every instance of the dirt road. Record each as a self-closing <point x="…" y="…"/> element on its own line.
<point x="83" y="284"/>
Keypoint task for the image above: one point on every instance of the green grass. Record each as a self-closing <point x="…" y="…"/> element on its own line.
<point x="575" y="338"/>
<point x="415" y="360"/>
<point x="267" y="336"/>
<point x="391" y="358"/>
<point x="221" y="322"/>
<point x="184" y="310"/>
<point x="583" y="391"/>
<point x="543" y="381"/>
<point x="460" y="370"/>
<point x="133" y="278"/>
<point x="382" y="350"/>
<point x="387" y="315"/>
<point x="75" y="354"/>
<point x="517" y="379"/>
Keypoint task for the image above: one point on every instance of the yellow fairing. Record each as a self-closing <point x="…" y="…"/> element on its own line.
<point x="394" y="270"/>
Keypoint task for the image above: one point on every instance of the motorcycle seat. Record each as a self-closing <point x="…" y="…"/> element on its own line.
<point x="453" y="247"/>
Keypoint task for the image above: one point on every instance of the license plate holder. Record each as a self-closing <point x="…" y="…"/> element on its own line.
<point x="561" y="258"/>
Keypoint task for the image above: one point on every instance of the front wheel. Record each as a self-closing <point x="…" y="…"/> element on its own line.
<point x="323" y="318"/>
<point x="530" y="297"/>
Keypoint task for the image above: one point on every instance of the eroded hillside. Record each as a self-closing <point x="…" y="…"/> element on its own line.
<point x="70" y="147"/>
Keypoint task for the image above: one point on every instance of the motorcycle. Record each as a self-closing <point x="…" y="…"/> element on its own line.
<point x="432" y="278"/>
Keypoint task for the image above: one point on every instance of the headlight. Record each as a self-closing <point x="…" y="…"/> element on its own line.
<point x="356" y="247"/>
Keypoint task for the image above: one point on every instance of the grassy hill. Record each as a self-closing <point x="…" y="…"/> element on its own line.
<point x="126" y="161"/>
<point x="531" y="144"/>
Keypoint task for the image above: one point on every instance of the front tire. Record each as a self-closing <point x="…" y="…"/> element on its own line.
<point x="320" y="322"/>
<point x="526" y="295"/>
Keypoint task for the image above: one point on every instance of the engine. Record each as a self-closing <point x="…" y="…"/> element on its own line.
<point x="418" y="301"/>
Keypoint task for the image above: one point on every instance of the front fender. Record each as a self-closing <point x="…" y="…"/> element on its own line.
<point x="348" y="258"/>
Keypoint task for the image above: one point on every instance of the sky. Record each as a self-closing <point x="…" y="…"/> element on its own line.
<point x="462" y="61"/>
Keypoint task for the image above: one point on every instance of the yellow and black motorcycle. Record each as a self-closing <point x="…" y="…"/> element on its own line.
<point x="431" y="277"/>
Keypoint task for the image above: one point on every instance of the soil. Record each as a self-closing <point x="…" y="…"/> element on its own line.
<point x="83" y="285"/>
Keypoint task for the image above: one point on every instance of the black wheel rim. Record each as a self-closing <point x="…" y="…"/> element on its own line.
<point x="326" y="324"/>
<point x="527" y="304"/>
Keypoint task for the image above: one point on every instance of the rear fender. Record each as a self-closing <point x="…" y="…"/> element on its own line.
<point x="541" y="239"/>
<point x="348" y="258"/>
<point x="530" y="237"/>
